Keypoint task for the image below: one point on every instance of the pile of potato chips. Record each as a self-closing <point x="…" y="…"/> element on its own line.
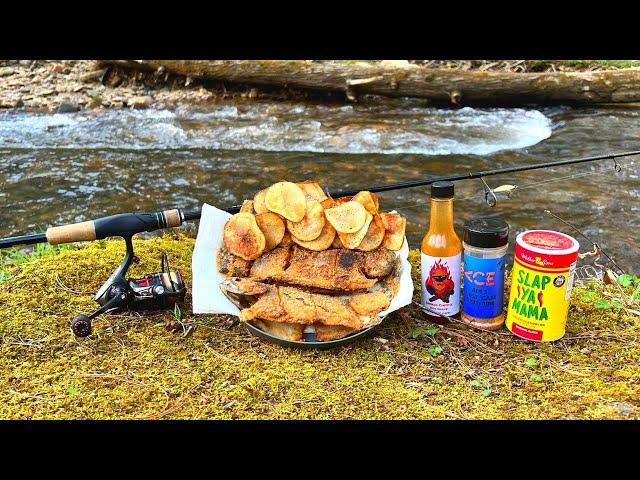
<point x="302" y="213"/>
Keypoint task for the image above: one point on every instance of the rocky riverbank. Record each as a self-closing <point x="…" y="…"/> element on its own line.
<point x="68" y="86"/>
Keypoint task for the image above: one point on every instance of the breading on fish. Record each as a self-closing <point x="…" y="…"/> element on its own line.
<point x="370" y="303"/>
<point x="325" y="333"/>
<point x="335" y="269"/>
<point x="232" y="265"/>
<point x="287" y="331"/>
<point x="294" y="305"/>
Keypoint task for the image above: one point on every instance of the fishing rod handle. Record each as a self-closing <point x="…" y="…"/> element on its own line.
<point x="121" y="225"/>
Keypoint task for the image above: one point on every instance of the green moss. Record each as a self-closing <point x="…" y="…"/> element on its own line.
<point x="133" y="368"/>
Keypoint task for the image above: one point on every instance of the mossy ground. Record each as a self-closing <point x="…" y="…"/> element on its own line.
<point x="133" y="368"/>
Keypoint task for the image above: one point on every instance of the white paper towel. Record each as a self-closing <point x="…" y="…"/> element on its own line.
<point x="207" y="296"/>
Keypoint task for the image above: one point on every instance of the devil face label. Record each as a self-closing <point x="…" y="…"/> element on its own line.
<point x="441" y="284"/>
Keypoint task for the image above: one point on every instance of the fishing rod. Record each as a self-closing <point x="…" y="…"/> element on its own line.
<point x="127" y="224"/>
<point x="167" y="287"/>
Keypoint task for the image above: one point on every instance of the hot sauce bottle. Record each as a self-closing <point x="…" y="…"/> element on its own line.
<point x="440" y="259"/>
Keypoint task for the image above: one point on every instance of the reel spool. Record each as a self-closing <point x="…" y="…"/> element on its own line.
<point x="153" y="291"/>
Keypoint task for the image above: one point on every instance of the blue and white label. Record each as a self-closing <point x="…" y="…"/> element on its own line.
<point x="483" y="290"/>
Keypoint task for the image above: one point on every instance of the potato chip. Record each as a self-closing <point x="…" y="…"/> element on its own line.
<point x="286" y="240"/>
<point x="310" y="227"/>
<point x="337" y="243"/>
<point x="272" y="226"/>
<point x="286" y="199"/>
<point x="328" y="203"/>
<point x="367" y="200"/>
<point x="395" y="225"/>
<point x="348" y="217"/>
<point x="376" y="201"/>
<point x="243" y="237"/>
<point x="258" y="202"/>
<point x="342" y="200"/>
<point x="247" y="206"/>
<point x="374" y="237"/>
<point x="312" y="190"/>
<point x="353" y="240"/>
<point x="323" y="242"/>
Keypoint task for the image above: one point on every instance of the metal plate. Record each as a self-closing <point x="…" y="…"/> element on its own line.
<point x="307" y="345"/>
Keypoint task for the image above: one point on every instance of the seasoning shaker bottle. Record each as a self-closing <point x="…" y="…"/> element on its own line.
<point x="485" y="243"/>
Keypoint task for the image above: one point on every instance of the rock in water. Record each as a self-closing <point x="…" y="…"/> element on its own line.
<point x="139" y="103"/>
<point x="68" y="107"/>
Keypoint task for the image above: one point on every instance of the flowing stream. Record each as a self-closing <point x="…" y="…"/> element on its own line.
<point x="60" y="168"/>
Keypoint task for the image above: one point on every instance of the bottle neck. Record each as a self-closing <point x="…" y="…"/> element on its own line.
<point x="441" y="215"/>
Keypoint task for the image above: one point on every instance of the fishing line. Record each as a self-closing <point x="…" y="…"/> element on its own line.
<point x="511" y="190"/>
<point x="594" y="244"/>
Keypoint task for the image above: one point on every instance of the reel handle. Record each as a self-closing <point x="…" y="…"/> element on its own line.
<point x="121" y="225"/>
<point x="81" y="325"/>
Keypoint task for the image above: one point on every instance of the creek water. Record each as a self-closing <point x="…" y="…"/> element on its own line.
<point x="61" y="168"/>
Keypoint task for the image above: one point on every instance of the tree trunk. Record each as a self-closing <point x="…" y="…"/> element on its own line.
<point x="395" y="79"/>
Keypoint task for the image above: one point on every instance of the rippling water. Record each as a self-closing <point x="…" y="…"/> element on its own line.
<point x="57" y="168"/>
<point x="288" y="128"/>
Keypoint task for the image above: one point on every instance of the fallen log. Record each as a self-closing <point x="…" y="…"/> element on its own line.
<point x="401" y="79"/>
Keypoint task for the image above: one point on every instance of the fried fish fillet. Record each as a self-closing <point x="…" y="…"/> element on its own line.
<point x="335" y="269"/>
<point x="293" y="305"/>
<point x="232" y="265"/>
<point x="325" y="333"/>
<point x="287" y="331"/>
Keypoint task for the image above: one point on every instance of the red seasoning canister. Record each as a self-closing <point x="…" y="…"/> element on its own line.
<point x="543" y="270"/>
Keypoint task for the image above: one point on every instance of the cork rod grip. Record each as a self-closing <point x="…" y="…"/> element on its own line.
<point x="173" y="218"/>
<point x="74" y="232"/>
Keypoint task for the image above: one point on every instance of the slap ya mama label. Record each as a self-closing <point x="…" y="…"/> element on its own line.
<point x="441" y="284"/>
<point x="543" y="267"/>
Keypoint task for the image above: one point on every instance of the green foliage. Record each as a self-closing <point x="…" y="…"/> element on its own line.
<point x="625" y="280"/>
<point x="531" y="361"/>
<point x="19" y="256"/>
<point x="486" y="388"/>
<point x="604" y="304"/>
<point x="589" y="296"/>
<point x="177" y="313"/>
<point x="420" y="332"/>
<point x="435" y="350"/>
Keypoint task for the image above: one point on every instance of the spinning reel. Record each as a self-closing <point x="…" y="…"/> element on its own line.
<point x="153" y="291"/>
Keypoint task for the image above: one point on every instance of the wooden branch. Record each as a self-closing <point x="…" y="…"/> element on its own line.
<point x="473" y="87"/>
